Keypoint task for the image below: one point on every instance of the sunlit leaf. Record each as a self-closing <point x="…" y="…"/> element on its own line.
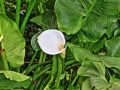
<point x="15" y="76"/>
<point x="13" y="41"/>
<point x="7" y="84"/>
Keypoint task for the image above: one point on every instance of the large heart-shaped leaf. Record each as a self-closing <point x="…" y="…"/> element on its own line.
<point x="13" y="41"/>
<point x="69" y="15"/>
<point x="91" y="17"/>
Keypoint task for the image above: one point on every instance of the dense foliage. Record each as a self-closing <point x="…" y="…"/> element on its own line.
<point x="92" y="33"/>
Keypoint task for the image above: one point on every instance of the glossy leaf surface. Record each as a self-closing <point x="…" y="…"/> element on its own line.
<point x="88" y="17"/>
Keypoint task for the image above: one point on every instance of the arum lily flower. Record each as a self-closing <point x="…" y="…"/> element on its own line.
<point x="52" y="42"/>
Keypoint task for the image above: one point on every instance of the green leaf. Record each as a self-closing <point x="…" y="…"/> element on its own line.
<point x="81" y="54"/>
<point x="117" y="32"/>
<point x="46" y="68"/>
<point x="92" y="69"/>
<point x="62" y="76"/>
<point x="111" y="29"/>
<point x="13" y="41"/>
<point x="89" y="18"/>
<point x="71" y="87"/>
<point x="69" y="17"/>
<point x="93" y="66"/>
<point x="15" y="76"/>
<point x="6" y="84"/>
<point x="111" y="61"/>
<point x="47" y="20"/>
<point x="34" y="42"/>
<point x="86" y="85"/>
<point x="60" y="88"/>
<point x="115" y="84"/>
<point x="96" y="72"/>
<point x="113" y="47"/>
<point x="95" y="47"/>
<point x="100" y="83"/>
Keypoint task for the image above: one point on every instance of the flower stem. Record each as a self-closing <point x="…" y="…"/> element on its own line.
<point x="37" y="75"/>
<point x="41" y="10"/>
<point x="17" y="18"/>
<point x="60" y="65"/>
<point x="31" y="61"/>
<point x="53" y="72"/>
<point x="45" y="82"/>
<point x="39" y="65"/>
<point x="74" y="80"/>
<point x="22" y="28"/>
<point x="63" y="70"/>
<point x="4" y="59"/>
<point x="70" y="62"/>
<point x="2" y="6"/>
<point x="41" y="59"/>
<point x="63" y="65"/>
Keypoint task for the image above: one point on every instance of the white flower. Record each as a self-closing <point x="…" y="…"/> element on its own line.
<point x="52" y="41"/>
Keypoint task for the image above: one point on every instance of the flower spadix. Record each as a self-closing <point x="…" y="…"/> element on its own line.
<point x="52" y="41"/>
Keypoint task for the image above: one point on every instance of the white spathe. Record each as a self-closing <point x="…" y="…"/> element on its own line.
<point x="52" y="41"/>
